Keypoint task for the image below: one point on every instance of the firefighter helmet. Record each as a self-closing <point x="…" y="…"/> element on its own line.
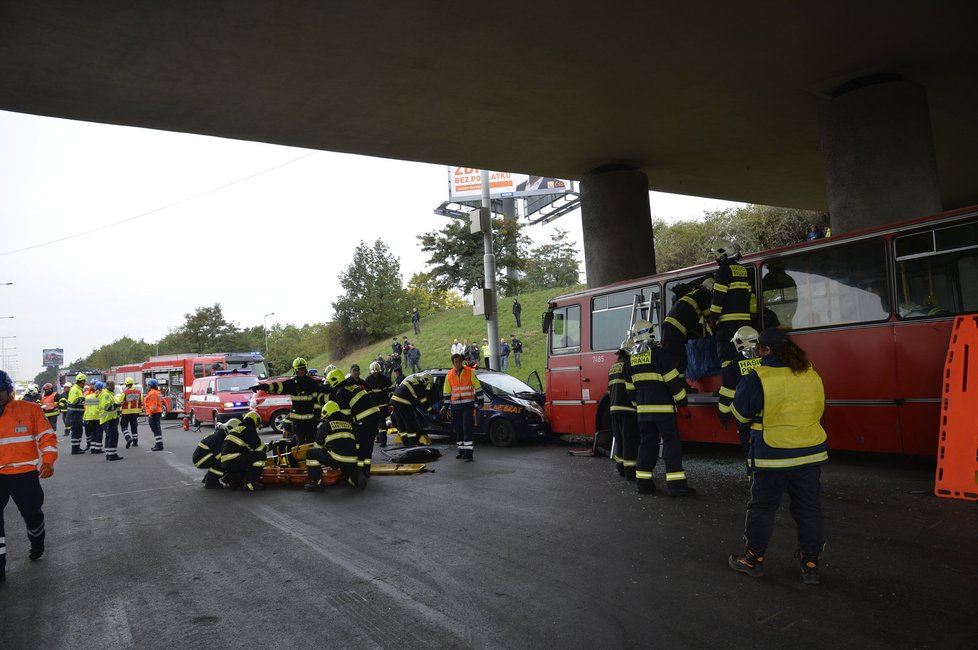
<point x="374" y="367"/>
<point x="426" y="378"/>
<point x="48" y="386"/>
<point x="329" y="408"/>
<point x="335" y="377"/>
<point x="328" y="369"/>
<point x="152" y="383"/>
<point x="129" y="381"/>
<point x="707" y="284"/>
<point x="99" y="385"/>
<point x="642" y="331"/>
<point x="232" y="423"/>
<point x="32" y="389"/>
<point x="726" y="250"/>
<point x="254" y="418"/>
<point x="298" y="362"/>
<point x="81" y="377"/>
<point x="745" y="339"/>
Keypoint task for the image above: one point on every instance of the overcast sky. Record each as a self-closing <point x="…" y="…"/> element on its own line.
<point x="259" y="228"/>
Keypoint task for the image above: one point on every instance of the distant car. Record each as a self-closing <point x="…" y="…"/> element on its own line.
<point x="512" y="411"/>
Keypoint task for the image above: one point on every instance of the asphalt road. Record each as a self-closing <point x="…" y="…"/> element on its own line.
<point x="524" y="548"/>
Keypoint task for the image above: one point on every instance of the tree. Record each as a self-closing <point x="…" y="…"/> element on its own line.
<point x="456" y="255"/>
<point x="122" y="351"/>
<point x="425" y="294"/>
<point x="205" y="330"/>
<point x="285" y="343"/>
<point x="49" y="374"/>
<point x="374" y="304"/>
<point x="553" y="265"/>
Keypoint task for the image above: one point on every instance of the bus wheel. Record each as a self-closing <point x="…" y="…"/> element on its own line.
<point x="502" y="433"/>
<point x="277" y="419"/>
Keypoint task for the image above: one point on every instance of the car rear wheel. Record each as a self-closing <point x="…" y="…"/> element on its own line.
<point x="166" y="413"/>
<point x="194" y="422"/>
<point x="277" y="419"/>
<point x="502" y="433"/>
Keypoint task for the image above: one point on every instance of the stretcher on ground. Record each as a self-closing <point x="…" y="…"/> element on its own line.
<point x="287" y="466"/>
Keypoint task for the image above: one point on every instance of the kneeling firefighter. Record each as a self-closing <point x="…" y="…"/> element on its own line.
<point x="335" y="446"/>
<point x="243" y="454"/>
<point x="207" y="455"/>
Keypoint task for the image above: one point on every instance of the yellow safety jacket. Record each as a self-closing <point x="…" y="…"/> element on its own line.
<point x="108" y="409"/>
<point x="92" y="411"/>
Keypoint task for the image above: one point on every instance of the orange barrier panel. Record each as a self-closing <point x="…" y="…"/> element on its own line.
<point x="957" y="447"/>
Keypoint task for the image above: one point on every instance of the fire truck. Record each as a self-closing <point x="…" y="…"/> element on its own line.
<point x="176" y="373"/>
<point x="67" y="377"/>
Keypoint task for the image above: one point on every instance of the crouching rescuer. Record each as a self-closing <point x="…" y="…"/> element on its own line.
<point x="335" y="446"/>
<point x="207" y="455"/>
<point x="778" y="408"/>
<point x="243" y="455"/>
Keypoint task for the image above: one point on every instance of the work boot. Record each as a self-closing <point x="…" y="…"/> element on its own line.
<point x="646" y="488"/>
<point x="76" y="450"/>
<point x="128" y="442"/>
<point x="37" y="550"/>
<point x="750" y="563"/>
<point x="620" y="468"/>
<point x="682" y="491"/>
<point x="468" y="456"/>
<point x="809" y="567"/>
<point x="314" y="487"/>
<point x="212" y="482"/>
<point x="113" y="457"/>
<point x="629" y="474"/>
<point x="361" y="478"/>
<point x="135" y="442"/>
<point x="460" y="454"/>
<point x="254" y="487"/>
<point x="156" y="447"/>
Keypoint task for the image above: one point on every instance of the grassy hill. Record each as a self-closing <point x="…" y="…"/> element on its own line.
<point x="438" y="331"/>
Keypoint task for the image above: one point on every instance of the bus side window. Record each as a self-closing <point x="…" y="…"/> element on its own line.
<point x="937" y="272"/>
<point x="565" y="333"/>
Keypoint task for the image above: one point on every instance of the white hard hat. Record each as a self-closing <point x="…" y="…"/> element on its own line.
<point x="745" y="338"/>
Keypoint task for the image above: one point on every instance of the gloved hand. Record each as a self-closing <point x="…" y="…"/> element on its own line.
<point x="256" y="388"/>
<point x="443" y="413"/>
<point x="724" y="419"/>
<point x="683" y="411"/>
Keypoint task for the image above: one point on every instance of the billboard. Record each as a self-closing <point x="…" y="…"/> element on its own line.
<point x="53" y="356"/>
<point x="465" y="184"/>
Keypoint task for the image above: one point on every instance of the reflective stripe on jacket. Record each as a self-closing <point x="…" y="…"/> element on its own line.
<point x="26" y="437"/>
<point x="132" y="401"/>
<point x="108" y="409"/>
<point x="462" y="387"/>
<point x="91" y="407"/>
<point x="76" y="398"/>
<point x="154" y="401"/>
<point x="49" y="404"/>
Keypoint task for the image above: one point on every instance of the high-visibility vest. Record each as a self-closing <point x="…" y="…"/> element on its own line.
<point x="108" y="409"/>
<point x="791" y="435"/>
<point x="154" y="401"/>
<point x="132" y="401"/>
<point x="92" y="411"/>
<point x="25" y="437"/>
<point x="462" y="387"/>
<point x="76" y="398"/>
<point x="49" y="404"/>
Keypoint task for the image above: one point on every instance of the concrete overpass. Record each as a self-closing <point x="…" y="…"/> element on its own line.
<point x="852" y="107"/>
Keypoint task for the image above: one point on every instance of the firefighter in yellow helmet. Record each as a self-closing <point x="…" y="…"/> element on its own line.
<point x="243" y="455"/>
<point x="355" y="402"/>
<point x="76" y="410"/>
<point x="305" y="392"/>
<point x="129" y="411"/>
<point x="335" y="446"/>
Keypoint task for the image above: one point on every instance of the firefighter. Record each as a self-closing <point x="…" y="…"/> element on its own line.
<point x="28" y="450"/>
<point x="243" y="455"/>
<point x="685" y="321"/>
<point x="355" y="376"/>
<point x="335" y="446"/>
<point x="108" y="419"/>
<point x="732" y="307"/>
<point x="379" y="387"/>
<point x="658" y="393"/>
<point x="32" y="395"/>
<point x="778" y="407"/>
<point x="63" y="407"/>
<point x="359" y="406"/>
<point x="90" y="419"/>
<point x="207" y="455"/>
<point x="130" y="406"/>
<point x="410" y="394"/>
<point x="49" y="404"/>
<point x="154" y="413"/>
<point x="304" y="391"/>
<point x="464" y="392"/>
<point x="76" y="412"/>
<point x="621" y="404"/>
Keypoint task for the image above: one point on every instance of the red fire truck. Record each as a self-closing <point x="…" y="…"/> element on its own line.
<point x="176" y="373"/>
<point x="873" y="309"/>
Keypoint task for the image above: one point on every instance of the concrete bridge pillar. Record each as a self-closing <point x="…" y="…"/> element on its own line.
<point x="878" y="152"/>
<point x="617" y="225"/>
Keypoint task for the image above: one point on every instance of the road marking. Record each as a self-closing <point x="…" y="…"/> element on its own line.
<point x="103" y="495"/>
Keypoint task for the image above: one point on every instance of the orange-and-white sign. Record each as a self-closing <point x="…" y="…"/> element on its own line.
<point x="465" y="184"/>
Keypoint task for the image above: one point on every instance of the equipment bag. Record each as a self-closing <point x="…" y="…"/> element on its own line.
<point x="410" y="454"/>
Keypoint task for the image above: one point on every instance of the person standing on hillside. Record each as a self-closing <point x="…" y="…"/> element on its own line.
<point x="503" y="355"/>
<point x="396" y="350"/>
<point x="517" y="311"/>
<point x="516" y="346"/>
<point x="416" y="320"/>
<point x="414" y="358"/>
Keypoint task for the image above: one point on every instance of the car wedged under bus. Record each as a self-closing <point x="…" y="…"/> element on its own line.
<point x="872" y="308"/>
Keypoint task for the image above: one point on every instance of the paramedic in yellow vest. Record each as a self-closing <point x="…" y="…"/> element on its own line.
<point x="129" y="408"/>
<point x="464" y="393"/>
<point x="76" y="410"/>
<point x="91" y="417"/>
<point x="108" y="418"/>
<point x="778" y="408"/>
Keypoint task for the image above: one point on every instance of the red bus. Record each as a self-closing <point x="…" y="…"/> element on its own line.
<point x="873" y="309"/>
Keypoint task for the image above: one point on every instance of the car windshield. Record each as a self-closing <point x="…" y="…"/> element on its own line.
<point x="257" y="368"/>
<point x="505" y="384"/>
<point x="235" y="384"/>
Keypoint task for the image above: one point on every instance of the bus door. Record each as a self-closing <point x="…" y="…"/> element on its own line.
<point x="566" y="393"/>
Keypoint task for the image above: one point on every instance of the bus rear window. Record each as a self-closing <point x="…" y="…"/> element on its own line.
<point x="840" y="285"/>
<point x="565" y="332"/>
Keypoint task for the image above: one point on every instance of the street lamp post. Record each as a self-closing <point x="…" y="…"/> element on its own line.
<point x="264" y="327"/>
<point x="3" y="348"/>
